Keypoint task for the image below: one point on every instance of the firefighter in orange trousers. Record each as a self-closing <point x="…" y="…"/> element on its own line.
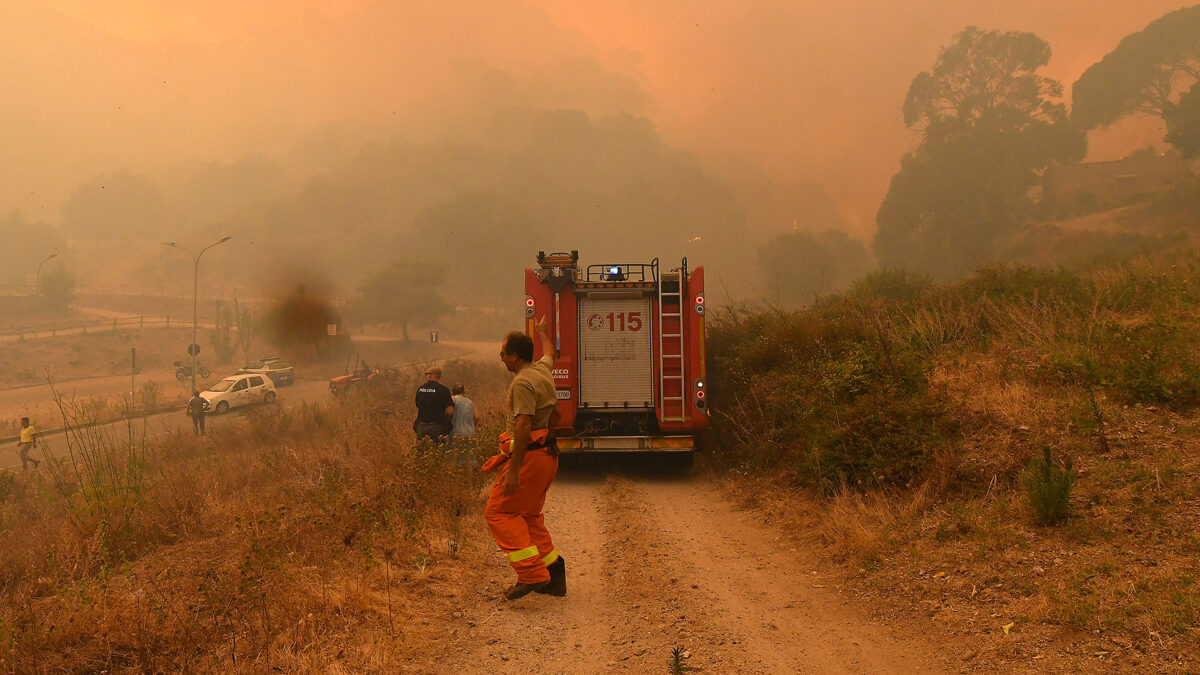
<point x="528" y="462"/>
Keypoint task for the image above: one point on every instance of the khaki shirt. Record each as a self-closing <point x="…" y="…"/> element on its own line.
<point x="532" y="393"/>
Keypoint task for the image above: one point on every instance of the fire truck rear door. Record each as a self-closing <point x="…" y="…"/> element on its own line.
<point x="615" y="352"/>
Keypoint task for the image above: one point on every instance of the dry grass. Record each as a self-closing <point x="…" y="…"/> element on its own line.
<point x="1102" y="369"/>
<point x="314" y="540"/>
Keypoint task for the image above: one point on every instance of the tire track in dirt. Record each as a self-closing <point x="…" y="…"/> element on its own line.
<point x="540" y="633"/>
<point x="768" y="612"/>
<point x="655" y="564"/>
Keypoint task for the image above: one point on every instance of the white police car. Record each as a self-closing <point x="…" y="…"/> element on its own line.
<point x="239" y="390"/>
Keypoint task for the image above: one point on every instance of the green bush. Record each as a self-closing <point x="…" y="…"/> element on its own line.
<point x="891" y="284"/>
<point x="1048" y="487"/>
<point x="1151" y="361"/>
<point x="1006" y="283"/>
<point x="825" y="397"/>
<point x="1156" y="364"/>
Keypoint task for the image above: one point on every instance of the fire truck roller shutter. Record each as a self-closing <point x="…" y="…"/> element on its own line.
<point x="615" y="352"/>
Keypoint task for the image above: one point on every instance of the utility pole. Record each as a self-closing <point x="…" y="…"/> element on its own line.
<point x="194" y="347"/>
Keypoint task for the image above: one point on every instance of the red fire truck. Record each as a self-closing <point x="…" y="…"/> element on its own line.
<point x="629" y="353"/>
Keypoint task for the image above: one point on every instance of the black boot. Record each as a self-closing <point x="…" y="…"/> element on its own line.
<point x="558" y="578"/>
<point x="520" y="590"/>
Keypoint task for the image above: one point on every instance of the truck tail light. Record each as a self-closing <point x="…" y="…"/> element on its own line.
<point x="700" y="304"/>
<point x="529" y="307"/>
<point x="701" y="394"/>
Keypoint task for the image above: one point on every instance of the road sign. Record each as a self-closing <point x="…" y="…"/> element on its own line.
<point x="193" y="349"/>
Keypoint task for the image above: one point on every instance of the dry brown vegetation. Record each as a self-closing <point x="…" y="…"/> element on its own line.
<point x="1100" y="367"/>
<point x="320" y="538"/>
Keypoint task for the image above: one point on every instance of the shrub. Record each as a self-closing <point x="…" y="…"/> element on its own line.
<point x="1156" y="364"/>
<point x="1006" y="283"/>
<point x="1142" y="361"/>
<point x="148" y="396"/>
<point x="102" y="477"/>
<point x="825" y="397"/>
<point x="57" y="288"/>
<point x="8" y="482"/>
<point x="222" y="334"/>
<point x="891" y="284"/>
<point x="1155" y="284"/>
<point x="1048" y="487"/>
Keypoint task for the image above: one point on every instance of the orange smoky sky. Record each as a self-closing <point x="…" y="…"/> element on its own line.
<point x="809" y="91"/>
<point x="813" y="91"/>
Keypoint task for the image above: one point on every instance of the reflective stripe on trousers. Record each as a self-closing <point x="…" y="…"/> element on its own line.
<point x="518" y="556"/>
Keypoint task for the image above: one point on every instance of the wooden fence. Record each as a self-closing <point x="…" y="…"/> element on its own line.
<point x="208" y="293"/>
<point x="83" y="325"/>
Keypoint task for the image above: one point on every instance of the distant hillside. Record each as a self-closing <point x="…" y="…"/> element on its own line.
<point x="1096" y="186"/>
<point x="1103" y="213"/>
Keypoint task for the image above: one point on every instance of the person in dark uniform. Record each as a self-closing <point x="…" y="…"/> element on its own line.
<point x="197" y="409"/>
<point x="435" y="408"/>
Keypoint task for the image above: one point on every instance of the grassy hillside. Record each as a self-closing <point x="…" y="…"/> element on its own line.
<point x="893" y="425"/>
<point x="314" y="539"/>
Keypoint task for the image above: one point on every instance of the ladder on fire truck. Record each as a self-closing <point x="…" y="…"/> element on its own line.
<point x="671" y="383"/>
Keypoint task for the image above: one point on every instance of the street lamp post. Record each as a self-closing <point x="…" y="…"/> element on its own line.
<point x="37" y="281"/>
<point x="37" y="291"/>
<point x="195" y="295"/>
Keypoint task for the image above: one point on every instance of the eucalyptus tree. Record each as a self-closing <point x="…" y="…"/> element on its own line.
<point x="1148" y="72"/>
<point x="989" y="124"/>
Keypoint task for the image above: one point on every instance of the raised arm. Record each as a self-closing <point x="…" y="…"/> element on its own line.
<point x="539" y="327"/>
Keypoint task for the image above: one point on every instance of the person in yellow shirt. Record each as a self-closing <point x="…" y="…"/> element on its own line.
<point x="28" y="440"/>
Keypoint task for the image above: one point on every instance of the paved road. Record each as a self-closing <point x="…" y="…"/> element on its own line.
<point x="37" y="401"/>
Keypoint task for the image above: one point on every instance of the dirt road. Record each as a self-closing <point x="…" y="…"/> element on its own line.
<point x="657" y="563"/>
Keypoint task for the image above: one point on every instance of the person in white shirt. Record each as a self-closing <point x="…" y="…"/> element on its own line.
<point x="465" y="419"/>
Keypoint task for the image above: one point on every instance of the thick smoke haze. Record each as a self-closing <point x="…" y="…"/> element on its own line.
<point x="812" y="91"/>
<point x="804" y="97"/>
